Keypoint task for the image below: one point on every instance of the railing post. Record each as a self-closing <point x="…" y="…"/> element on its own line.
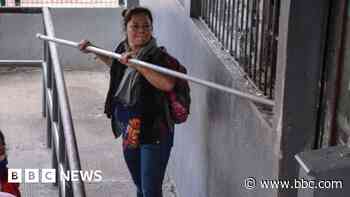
<point x="61" y="156"/>
<point x="54" y="161"/>
<point x="43" y="87"/>
<point x="68" y="187"/>
<point x="48" y="89"/>
<point x="44" y="78"/>
<point x="49" y="70"/>
<point x="54" y="100"/>
<point x="44" y="71"/>
<point x="48" y="129"/>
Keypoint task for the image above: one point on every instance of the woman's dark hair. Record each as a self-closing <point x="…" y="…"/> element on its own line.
<point x="2" y="138"/>
<point x="128" y="13"/>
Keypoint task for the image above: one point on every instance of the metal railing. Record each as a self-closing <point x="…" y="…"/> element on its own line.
<point x="248" y="30"/>
<point x="55" y="107"/>
<point x="60" y="130"/>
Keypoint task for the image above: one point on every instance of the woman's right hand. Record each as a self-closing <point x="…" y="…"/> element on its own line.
<point x="83" y="44"/>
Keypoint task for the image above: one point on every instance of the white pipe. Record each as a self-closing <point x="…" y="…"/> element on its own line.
<point x="162" y="70"/>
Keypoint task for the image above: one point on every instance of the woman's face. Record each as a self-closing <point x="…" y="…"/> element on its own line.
<point x="139" y="30"/>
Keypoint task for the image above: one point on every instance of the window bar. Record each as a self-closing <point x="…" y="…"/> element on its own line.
<point x="240" y="33"/>
<point x="224" y="26"/>
<point x="222" y="20"/>
<point x="249" y="36"/>
<point x="261" y="47"/>
<point x="236" y="27"/>
<point x="205" y="13"/>
<point x="254" y="37"/>
<point x="270" y="47"/>
<point x="208" y="11"/>
<point x="246" y="34"/>
<point x="232" y="29"/>
<point x="267" y="46"/>
<point x="257" y="41"/>
<point x="274" y="45"/>
<point x="273" y="48"/>
<point x="216" y="18"/>
<point x="242" y="42"/>
<point x="228" y="27"/>
<point x="204" y="10"/>
<point x="211" y="15"/>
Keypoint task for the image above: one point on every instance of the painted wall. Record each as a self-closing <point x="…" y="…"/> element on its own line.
<point x="100" y="25"/>
<point x="225" y="139"/>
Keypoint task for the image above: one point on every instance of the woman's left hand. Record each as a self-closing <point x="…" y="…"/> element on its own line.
<point x="125" y="59"/>
<point x="158" y="80"/>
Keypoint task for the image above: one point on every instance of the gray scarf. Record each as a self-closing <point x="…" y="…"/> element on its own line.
<point x="128" y="91"/>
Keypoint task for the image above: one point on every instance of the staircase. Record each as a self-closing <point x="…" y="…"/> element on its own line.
<point x="25" y="128"/>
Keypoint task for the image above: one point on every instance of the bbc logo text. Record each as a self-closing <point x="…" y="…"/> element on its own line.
<point x="48" y="175"/>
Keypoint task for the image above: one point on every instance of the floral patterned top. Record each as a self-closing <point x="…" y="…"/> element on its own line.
<point x="147" y="122"/>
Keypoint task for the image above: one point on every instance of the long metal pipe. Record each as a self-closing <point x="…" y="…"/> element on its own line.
<point x="162" y="70"/>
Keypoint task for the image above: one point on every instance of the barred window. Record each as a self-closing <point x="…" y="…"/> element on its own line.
<point x="248" y="30"/>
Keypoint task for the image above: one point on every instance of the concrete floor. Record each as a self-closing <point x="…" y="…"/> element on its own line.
<point x="24" y="128"/>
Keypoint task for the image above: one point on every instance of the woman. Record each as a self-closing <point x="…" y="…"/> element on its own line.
<point x="135" y="102"/>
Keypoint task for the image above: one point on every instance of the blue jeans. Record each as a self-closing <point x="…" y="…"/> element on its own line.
<point x="147" y="165"/>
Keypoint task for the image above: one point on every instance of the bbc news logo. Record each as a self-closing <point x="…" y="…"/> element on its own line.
<point x="49" y="175"/>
